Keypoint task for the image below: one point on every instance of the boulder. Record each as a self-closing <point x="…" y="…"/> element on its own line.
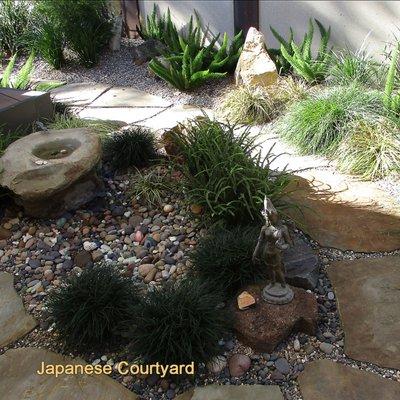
<point x="51" y="172"/>
<point x="255" y="67"/>
<point x="264" y="326"/>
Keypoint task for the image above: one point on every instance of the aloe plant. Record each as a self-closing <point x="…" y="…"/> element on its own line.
<point x="22" y="79"/>
<point x="391" y="100"/>
<point x="184" y="72"/>
<point x="300" y="57"/>
<point x="154" y="27"/>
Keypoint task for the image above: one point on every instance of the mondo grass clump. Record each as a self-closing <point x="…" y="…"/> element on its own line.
<point x="371" y="148"/>
<point x="224" y="258"/>
<point x="225" y="172"/>
<point x="317" y="124"/>
<point x="179" y="323"/>
<point x="132" y="147"/>
<point x="89" y="308"/>
<point x="256" y="105"/>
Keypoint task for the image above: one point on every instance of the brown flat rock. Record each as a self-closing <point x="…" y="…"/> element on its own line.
<point x="328" y="380"/>
<point x="15" y="322"/>
<point x="20" y="381"/>
<point x="368" y="295"/>
<point x="341" y="212"/>
<point x="264" y="326"/>
<point x="231" y="392"/>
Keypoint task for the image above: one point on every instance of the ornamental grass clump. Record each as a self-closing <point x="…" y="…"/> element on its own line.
<point x="317" y="124"/>
<point x="225" y="171"/>
<point x="371" y="148"/>
<point x="179" y="323"/>
<point x="224" y="258"/>
<point x="88" y="310"/>
<point x="133" y="147"/>
<point x="256" y="105"/>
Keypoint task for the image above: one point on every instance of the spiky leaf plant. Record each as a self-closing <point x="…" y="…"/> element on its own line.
<point x="391" y="98"/>
<point x="224" y="258"/>
<point x="225" y="171"/>
<point x="23" y="76"/>
<point x="371" y="147"/>
<point x="312" y="69"/>
<point x="317" y="124"/>
<point x="151" y="186"/>
<point x="89" y="308"/>
<point x="154" y="27"/>
<point x="178" y="324"/>
<point x="133" y="147"/>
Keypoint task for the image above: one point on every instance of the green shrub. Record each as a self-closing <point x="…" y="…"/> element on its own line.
<point x="179" y="324"/>
<point x="246" y="105"/>
<point x="85" y="26"/>
<point x="22" y="78"/>
<point x="311" y="69"/>
<point x="14" y="25"/>
<point x="371" y="148"/>
<point x="225" y="172"/>
<point x="133" y="147"/>
<point x="46" y="36"/>
<point x="65" y="121"/>
<point x="358" y="67"/>
<point x="317" y="124"/>
<point x="88" y="310"/>
<point x="224" y="258"/>
<point x="152" y="186"/>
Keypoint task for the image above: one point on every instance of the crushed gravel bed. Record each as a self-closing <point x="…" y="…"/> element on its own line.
<point x="117" y="68"/>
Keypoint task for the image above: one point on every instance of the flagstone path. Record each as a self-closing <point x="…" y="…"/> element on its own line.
<point x="328" y="380"/>
<point x="368" y="294"/>
<point x="337" y="211"/>
<point x="227" y="392"/>
<point x="19" y="379"/>
<point x="15" y="322"/>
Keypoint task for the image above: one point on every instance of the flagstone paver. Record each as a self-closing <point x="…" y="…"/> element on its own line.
<point x="342" y="212"/>
<point x="368" y="294"/>
<point x="15" y="322"/>
<point x="78" y="94"/>
<point x="328" y="380"/>
<point x="19" y="379"/>
<point x="127" y="115"/>
<point x="227" y="392"/>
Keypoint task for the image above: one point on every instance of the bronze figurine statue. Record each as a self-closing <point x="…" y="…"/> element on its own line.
<point x="273" y="239"/>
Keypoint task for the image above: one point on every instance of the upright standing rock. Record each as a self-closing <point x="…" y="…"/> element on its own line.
<point x="255" y="67"/>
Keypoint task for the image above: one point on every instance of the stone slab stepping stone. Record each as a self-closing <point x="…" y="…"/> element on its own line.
<point x="328" y="380"/>
<point x="126" y="115"/>
<point x="264" y="326"/>
<point x="171" y="117"/>
<point x="341" y="212"/>
<point x="231" y="392"/>
<point x="78" y="94"/>
<point x="128" y="97"/>
<point x="15" y="322"/>
<point x="368" y="295"/>
<point x="302" y="265"/>
<point x="19" y="379"/>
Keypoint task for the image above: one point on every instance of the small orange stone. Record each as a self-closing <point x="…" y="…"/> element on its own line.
<point x="245" y="300"/>
<point x="196" y="209"/>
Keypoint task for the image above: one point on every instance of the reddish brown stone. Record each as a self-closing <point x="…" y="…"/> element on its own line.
<point x="264" y="326"/>
<point x="4" y="233"/>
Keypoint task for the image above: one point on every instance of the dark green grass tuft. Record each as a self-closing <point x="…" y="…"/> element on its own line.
<point x="88" y="310"/>
<point x="179" y="323"/>
<point x="133" y="147"/>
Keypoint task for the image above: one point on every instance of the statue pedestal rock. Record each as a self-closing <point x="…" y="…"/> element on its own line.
<point x="265" y="325"/>
<point x="51" y="172"/>
<point x="280" y="309"/>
